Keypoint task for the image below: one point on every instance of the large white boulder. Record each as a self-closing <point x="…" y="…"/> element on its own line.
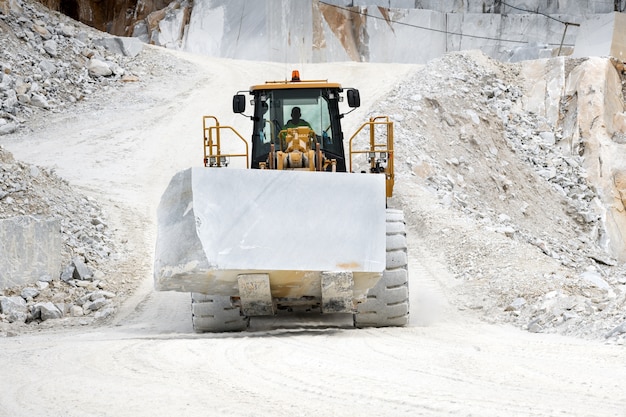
<point x="216" y="223"/>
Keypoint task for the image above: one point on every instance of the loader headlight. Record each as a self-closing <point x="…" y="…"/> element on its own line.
<point x="223" y="161"/>
<point x="372" y="155"/>
<point x="212" y="161"/>
<point x="383" y="156"/>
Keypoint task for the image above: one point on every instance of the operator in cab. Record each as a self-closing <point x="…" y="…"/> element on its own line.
<point x="296" y="121"/>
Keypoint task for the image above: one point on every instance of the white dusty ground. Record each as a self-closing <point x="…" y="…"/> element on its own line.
<point x="123" y="147"/>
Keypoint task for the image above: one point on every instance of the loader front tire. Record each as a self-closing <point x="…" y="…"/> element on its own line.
<point x="387" y="303"/>
<point x="216" y="313"/>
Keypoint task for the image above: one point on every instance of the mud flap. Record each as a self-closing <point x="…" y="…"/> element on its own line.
<point x="255" y="295"/>
<point x="337" y="292"/>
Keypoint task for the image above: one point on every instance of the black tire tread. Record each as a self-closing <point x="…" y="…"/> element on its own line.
<point x="387" y="303"/>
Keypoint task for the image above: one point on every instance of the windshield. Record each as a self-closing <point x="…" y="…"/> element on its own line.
<point x="280" y="109"/>
<point x="311" y="109"/>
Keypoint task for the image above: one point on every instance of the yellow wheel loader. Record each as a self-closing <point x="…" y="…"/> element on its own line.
<point x="295" y="230"/>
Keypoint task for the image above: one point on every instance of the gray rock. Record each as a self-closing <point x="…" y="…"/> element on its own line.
<point x="81" y="270"/>
<point x="68" y="273"/>
<point x="14" y="309"/>
<point x="29" y="293"/>
<point x="104" y="313"/>
<point x="23" y="98"/>
<point x="548" y="138"/>
<point x="535" y="327"/>
<point x="80" y="301"/>
<point x="99" y="294"/>
<point x="117" y="70"/>
<point x="47" y="311"/>
<point x="617" y="330"/>
<point x="123" y="46"/>
<point x="39" y="101"/>
<point x="547" y="173"/>
<point x="96" y="304"/>
<point x="96" y="67"/>
<point x="516" y="304"/>
<point x="76" y="311"/>
<point x="11" y="102"/>
<point x="66" y="30"/>
<point x="48" y="66"/>
<point x="595" y="279"/>
<point x="569" y="302"/>
<point x="8" y="128"/>
<point x="570" y="315"/>
<point x="51" y="47"/>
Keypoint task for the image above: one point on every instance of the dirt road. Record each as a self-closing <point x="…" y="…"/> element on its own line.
<point x="148" y="362"/>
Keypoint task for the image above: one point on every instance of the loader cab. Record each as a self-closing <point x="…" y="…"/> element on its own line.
<point x="318" y="102"/>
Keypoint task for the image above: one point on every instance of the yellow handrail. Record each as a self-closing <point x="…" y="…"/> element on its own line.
<point x="213" y="156"/>
<point x="382" y="147"/>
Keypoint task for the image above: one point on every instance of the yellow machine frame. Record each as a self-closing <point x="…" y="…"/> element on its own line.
<point x="383" y="148"/>
<point x="213" y="156"/>
<point x="377" y="150"/>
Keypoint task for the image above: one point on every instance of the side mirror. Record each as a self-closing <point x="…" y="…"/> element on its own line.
<point x="354" y="99"/>
<point x="239" y="103"/>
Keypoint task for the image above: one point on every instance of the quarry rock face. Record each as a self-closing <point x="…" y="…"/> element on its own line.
<point x="602" y="35"/>
<point x="340" y="30"/>
<point x="590" y="123"/>
<point x="109" y="15"/>
<point x="598" y="104"/>
<point x="278" y="30"/>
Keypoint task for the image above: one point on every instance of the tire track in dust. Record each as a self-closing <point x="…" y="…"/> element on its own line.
<point x="293" y="371"/>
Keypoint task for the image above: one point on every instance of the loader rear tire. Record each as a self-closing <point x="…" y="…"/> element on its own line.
<point x="387" y="303"/>
<point x="216" y="313"/>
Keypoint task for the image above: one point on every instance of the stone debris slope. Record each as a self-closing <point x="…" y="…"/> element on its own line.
<point x="51" y="63"/>
<point x="48" y="63"/>
<point x="523" y="221"/>
<point x="81" y="290"/>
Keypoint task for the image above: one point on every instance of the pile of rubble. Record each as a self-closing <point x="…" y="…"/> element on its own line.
<point x="49" y="61"/>
<point x="463" y="134"/>
<point x="81" y="290"/>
